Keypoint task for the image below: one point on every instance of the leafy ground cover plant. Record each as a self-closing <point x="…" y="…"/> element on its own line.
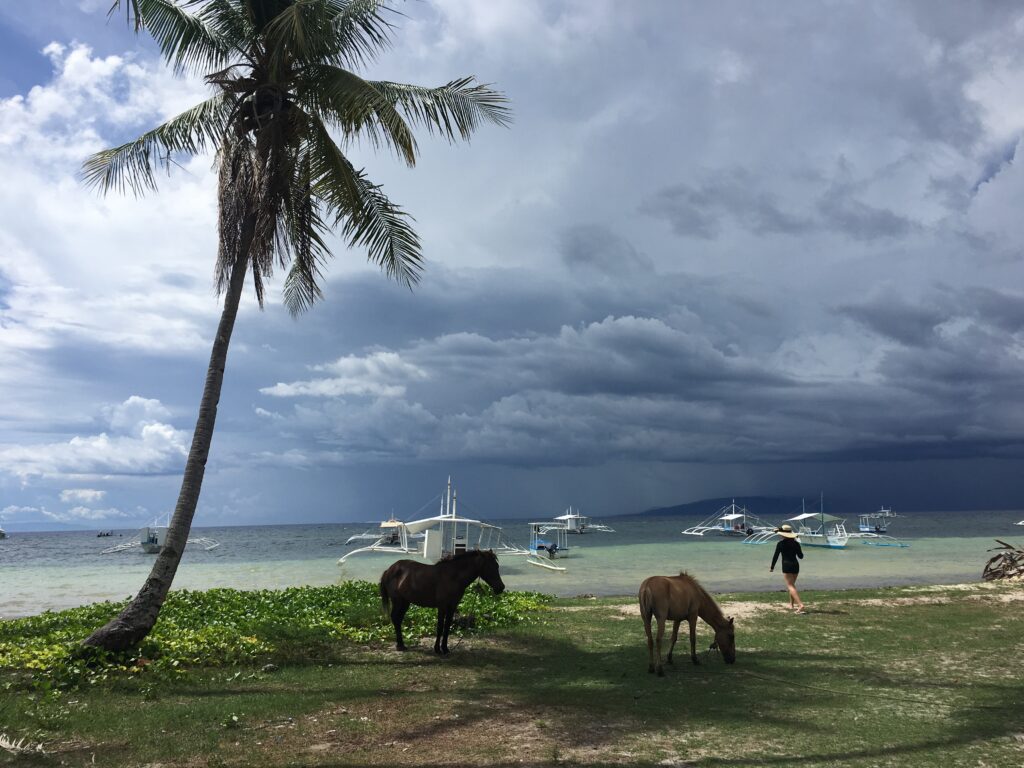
<point x="220" y="627"/>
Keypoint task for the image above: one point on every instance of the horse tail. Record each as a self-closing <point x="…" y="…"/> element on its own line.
<point x="385" y="601"/>
<point x="646" y="602"/>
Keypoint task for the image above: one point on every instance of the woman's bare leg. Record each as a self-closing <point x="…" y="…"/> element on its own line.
<point x="794" y="596"/>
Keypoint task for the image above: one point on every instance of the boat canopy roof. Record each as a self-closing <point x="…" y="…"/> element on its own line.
<point x="734" y="516"/>
<point x="417" y="526"/>
<point x="816" y="516"/>
<point x="570" y="516"/>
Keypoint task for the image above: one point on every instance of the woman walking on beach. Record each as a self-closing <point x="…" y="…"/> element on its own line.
<point x="789" y="550"/>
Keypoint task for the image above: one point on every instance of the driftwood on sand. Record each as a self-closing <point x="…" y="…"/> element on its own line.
<point x="1008" y="564"/>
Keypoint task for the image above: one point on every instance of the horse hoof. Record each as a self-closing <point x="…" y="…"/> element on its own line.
<point x="696" y="662"/>
<point x="668" y="660"/>
<point x="661" y="672"/>
<point x="650" y="670"/>
<point x="400" y="648"/>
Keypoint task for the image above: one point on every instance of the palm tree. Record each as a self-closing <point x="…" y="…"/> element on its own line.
<point x="282" y="74"/>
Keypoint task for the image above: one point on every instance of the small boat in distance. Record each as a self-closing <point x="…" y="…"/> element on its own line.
<point x="731" y="520"/>
<point x="3" y="533"/>
<point x="548" y="540"/>
<point x="577" y="523"/>
<point x="152" y="538"/>
<point x="1020" y="523"/>
<point x="875" y="522"/>
<point x="389" y="532"/>
<point x="872" y="527"/>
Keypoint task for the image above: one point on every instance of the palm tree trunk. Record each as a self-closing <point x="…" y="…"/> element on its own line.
<point x="137" y="619"/>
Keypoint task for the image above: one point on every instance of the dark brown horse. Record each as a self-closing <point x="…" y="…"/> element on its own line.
<point x="439" y="586"/>
<point x="679" y="598"/>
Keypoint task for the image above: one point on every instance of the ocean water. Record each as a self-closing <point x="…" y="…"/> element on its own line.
<point x="50" y="571"/>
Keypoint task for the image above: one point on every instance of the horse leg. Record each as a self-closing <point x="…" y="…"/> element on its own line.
<point x="693" y="640"/>
<point x="440" y="628"/>
<point x="675" y="636"/>
<point x="660" y="634"/>
<point x="650" y="643"/>
<point x="449" y="617"/>
<point x="398" y="609"/>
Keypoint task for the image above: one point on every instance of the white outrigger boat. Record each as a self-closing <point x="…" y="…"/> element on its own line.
<point x="731" y="520"/>
<point x="875" y="522"/>
<point x="813" y="529"/>
<point x="152" y="537"/>
<point x="389" y="532"/>
<point x="433" y="538"/>
<point x="574" y="522"/>
<point x="548" y="540"/>
<point x="872" y="527"/>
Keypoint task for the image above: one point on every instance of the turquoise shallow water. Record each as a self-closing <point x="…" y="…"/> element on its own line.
<point x="49" y="571"/>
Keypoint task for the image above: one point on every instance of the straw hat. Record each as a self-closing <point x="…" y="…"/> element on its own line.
<point x="786" y="531"/>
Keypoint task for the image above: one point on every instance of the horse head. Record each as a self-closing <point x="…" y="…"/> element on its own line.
<point x="725" y="641"/>
<point x="489" y="570"/>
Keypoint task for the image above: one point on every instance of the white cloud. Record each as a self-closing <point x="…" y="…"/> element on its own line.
<point x="139" y="447"/>
<point x="135" y="413"/>
<point x="380" y="374"/>
<point x="82" y="514"/>
<point x="81" y="495"/>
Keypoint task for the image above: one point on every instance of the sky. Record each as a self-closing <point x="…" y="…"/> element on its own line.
<point x="724" y="249"/>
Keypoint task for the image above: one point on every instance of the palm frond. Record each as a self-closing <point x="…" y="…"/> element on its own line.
<point x="352" y="104"/>
<point x="131" y="165"/>
<point x="130" y="7"/>
<point x="367" y="217"/>
<point x="457" y="108"/>
<point x="303" y="238"/>
<point x="347" y="33"/>
<point x="185" y="40"/>
<point x="227" y="20"/>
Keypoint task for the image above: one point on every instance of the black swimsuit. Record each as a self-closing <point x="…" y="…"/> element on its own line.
<point x="790" y="550"/>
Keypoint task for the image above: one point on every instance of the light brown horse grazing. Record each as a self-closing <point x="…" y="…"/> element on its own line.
<point x="679" y="598"/>
<point x="440" y="586"/>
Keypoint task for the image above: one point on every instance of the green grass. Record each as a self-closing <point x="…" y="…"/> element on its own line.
<point x="897" y="677"/>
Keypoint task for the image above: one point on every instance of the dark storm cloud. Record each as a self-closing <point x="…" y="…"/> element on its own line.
<point x="891" y="316"/>
<point x="631" y="388"/>
<point x="841" y="212"/>
<point x="597" y="248"/>
<point x="704" y="211"/>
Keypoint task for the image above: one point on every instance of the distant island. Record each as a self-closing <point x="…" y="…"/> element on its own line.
<point x="762" y="506"/>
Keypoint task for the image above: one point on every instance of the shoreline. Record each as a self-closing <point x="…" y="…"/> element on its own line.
<point x="724" y="594"/>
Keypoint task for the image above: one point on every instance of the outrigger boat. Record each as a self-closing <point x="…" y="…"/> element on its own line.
<point x="872" y="527"/>
<point x="389" y="532"/>
<point x="818" y="529"/>
<point x="813" y="529"/>
<point x="875" y="522"/>
<point x="548" y="540"/>
<point x="731" y="520"/>
<point x="445" y="534"/>
<point x="576" y="523"/>
<point x="3" y="533"/>
<point x="152" y="537"/>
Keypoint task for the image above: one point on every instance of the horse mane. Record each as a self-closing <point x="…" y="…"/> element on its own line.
<point x="708" y="599"/>
<point x="456" y="556"/>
